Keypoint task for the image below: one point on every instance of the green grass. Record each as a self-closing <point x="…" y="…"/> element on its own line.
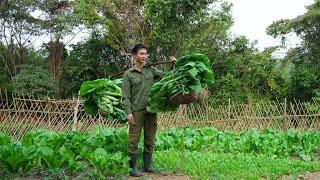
<point x="210" y="165"/>
<point x="215" y="166"/>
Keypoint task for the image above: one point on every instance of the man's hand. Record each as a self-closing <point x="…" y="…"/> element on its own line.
<point x="130" y="118"/>
<point x="172" y="59"/>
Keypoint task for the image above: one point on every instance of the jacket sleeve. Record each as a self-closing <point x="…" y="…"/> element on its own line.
<point x="157" y="73"/>
<point x="126" y="93"/>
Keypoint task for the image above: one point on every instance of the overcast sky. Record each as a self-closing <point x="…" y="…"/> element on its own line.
<point x="252" y="17"/>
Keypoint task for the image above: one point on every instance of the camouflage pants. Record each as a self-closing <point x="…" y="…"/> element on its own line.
<point x="147" y="121"/>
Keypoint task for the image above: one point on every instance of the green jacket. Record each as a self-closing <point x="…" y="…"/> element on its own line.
<point x="136" y="87"/>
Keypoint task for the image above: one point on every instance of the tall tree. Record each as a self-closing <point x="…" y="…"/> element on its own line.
<point x="18" y="31"/>
<point x="305" y="74"/>
<point x="89" y="60"/>
<point x="180" y="27"/>
<point x="121" y="21"/>
<point x="59" y="19"/>
<point x="166" y="27"/>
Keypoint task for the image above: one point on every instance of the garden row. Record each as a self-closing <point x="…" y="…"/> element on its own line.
<point x="103" y="152"/>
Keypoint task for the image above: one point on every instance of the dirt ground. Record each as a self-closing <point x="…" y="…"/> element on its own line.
<point x="164" y="176"/>
<point x="167" y="176"/>
<point x="144" y="176"/>
<point x="306" y="176"/>
<point x="159" y="176"/>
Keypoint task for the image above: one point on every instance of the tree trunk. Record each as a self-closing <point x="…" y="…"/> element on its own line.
<point x="56" y="57"/>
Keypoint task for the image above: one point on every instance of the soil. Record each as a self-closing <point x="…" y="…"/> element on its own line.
<point x="171" y="176"/>
<point x="160" y="176"/>
<point x="305" y="176"/>
<point x="144" y="176"/>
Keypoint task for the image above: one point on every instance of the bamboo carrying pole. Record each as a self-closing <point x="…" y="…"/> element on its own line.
<point x="152" y="64"/>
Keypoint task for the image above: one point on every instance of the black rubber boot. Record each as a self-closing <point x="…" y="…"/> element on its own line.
<point x="147" y="159"/>
<point x="133" y="165"/>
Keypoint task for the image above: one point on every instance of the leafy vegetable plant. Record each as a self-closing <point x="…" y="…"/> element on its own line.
<point x="103" y="94"/>
<point x="191" y="73"/>
<point x="15" y="157"/>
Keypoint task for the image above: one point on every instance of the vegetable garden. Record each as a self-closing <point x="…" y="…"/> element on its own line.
<point x="199" y="153"/>
<point x="38" y="141"/>
<point x="258" y="120"/>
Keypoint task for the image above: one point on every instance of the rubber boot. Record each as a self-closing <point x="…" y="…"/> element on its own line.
<point x="147" y="159"/>
<point x="133" y="165"/>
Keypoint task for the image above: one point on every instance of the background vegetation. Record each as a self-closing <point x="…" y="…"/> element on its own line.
<point x="36" y="56"/>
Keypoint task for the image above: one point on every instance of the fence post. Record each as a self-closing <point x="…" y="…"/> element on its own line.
<point x="285" y="113"/>
<point x="7" y="99"/>
<point x="285" y="106"/>
<point x="229" y="109"/>
<point x="1" y="101"/>
<point x="75" y="113"/>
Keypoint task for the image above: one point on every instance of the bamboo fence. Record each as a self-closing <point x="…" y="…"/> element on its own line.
<point x="20" y="114"/>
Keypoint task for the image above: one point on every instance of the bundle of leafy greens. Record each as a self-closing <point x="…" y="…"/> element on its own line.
<point x="191" y="73"/>
<point x="103" y="94"/>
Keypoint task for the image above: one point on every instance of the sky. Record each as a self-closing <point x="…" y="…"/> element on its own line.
<point x="252" y="17"/>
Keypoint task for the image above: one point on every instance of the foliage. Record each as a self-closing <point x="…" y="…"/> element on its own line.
<point x="103" y="152"/>
<point x="58" y="18"/>
<point x="4" y="139"/>
<point x="89" y="60"/>
<point x="225" y="88"/>
<point x="15" y="157"/>
<point x="105" y="163"/>
<point x="19" y="29"/>
<point x="314" y="106"/>
<point x="211" y="165"/>
<point x="246" y="75"/>
<point x="304" y="80"/>
<point x="191" y="73"/>
<point x="268" y="142"/>
<point x="105" y="149"/>
<point x="167" y="28"/>
<point x="159" y="24"/>
<point x="104" y="95"/>
<point x="5" y="82"/>
<point x="121" y="22"/>
<point x="34" y="80"/>
<point x="305" y="57"/>
<point x="182" y="27"/>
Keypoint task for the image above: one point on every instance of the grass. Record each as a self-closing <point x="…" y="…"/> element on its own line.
<point x="211" y="165"/>
<point x="216" y="166"/>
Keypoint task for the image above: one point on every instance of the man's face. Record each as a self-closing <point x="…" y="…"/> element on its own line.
<point x="141" y="56"/>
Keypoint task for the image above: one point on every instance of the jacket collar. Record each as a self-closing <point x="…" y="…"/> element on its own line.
<point x="133" y="69"/>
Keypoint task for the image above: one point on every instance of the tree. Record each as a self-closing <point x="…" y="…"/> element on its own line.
<point x="18" y="30"/>
<point x="166" y="27"/>
<point x="122" y="22"/>
<point x="180" y="27"/>
<point x="59" y="19"/>
<point x="305" y="72"/>
<point x="34" y="80"/>
<point x="247" y="75"/>
<point x="89" y="60"/>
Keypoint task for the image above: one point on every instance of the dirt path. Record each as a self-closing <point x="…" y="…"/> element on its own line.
<point x="160" y="176"/>
<point x="305" y="176"/>
<point x="144" y="176"/>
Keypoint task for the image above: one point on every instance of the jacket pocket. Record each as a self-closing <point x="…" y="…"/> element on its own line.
<point x="136" y="81"/>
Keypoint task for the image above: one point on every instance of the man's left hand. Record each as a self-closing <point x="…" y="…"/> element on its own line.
<point x="172" y="59"/>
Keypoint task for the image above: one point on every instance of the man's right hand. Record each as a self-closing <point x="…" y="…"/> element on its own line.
<point x="130" y="118"/>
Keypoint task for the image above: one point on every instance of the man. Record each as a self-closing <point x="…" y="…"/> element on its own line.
<point x="136" y="85"/>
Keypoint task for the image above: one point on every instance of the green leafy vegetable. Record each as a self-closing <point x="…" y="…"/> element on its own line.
<point x="191" y="73"/>
<point x="106" y="95"/>
<point x="14" y="156"/>
<point x="4" y="139"/>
